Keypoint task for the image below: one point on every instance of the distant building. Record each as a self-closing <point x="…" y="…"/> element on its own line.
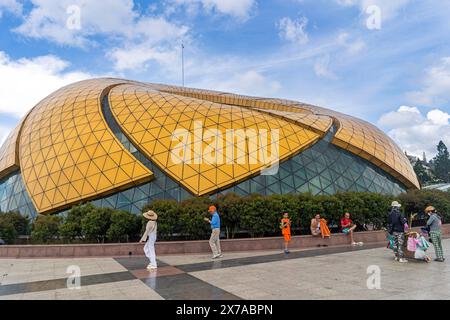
<point x="440" y="186"/>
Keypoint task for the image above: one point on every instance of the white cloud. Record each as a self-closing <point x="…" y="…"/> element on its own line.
<point x="156" y="40"/>
<point x="415" y="132"/>
<point x="436" y="85"/>
<point x="389" y="8"/>
<point x="48" y="20"/>
<point x="241" y="9"/>
<point x="109" y="18"/>
<point x="294" y="31"/>
<point x="249" y="83"/>
<point x="322" y="68"/>
<point x="12" y="6"/>
<point x="353" y="46"/>
<point x="134" y="39"/>
<point x="24" y="82"/>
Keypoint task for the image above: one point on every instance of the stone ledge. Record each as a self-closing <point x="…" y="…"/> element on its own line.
<point x="185" y="247"/>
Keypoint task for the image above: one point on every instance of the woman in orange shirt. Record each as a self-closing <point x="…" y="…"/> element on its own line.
<point x="285" y="226"/>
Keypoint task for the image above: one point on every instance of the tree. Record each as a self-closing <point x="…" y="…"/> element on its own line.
<point x="442" y="163"/>
<point x="45" y="228"/>
<point x="71" y="229"/>
<point x="7" y="232"/>
<point x="20" y="223"/>
<point x="95" y="224"/>
<point x="421" y="173"/>
<point x="124" y="225"/>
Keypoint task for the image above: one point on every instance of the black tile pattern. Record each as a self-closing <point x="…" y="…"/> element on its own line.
<point x="187" y="287"/>
<point x="220" y="264"/>
<point x="56" y="284"/>
<point x="136" y="263"/>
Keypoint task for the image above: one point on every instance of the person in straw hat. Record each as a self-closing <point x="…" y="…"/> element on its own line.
<point x="397" y="224"/>
<point x="149" y="238"/>
<point x="435" y="223"/>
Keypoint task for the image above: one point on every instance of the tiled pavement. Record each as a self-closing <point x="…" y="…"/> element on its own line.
<point x="325" y="273"/>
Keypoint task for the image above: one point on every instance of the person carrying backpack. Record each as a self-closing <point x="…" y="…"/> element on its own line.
<point x="397" y="225"/>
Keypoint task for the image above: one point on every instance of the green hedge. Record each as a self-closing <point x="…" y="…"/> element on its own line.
<point x="254" y="216"/>
<point x="13" y="224"/>
<point x="87" y="223"/>
<point x="259" y="216"/>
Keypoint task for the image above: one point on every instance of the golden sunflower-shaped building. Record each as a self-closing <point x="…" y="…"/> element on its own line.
<point x="121" y="143"/>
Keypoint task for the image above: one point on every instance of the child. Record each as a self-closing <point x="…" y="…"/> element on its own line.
<point x="421" y="247"/>
<point x="285" y="227"/>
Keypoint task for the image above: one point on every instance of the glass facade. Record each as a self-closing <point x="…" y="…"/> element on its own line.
<point x="14" y="196"/>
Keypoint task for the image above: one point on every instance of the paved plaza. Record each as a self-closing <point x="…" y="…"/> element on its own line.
<point x="321" y="273"/>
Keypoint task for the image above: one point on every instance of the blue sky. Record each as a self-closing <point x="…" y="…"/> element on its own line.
<point x="396" y="75"/>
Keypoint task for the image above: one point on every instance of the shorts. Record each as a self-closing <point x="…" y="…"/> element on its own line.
<point x="346" y="230"/>
<point x="287" y="237"/>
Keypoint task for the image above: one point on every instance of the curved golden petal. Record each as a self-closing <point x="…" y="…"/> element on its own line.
<point x="354" y="135"/>
<point x="9" y="160"/>
<point x="69" y="154"/>
<point x="150" y="118"/>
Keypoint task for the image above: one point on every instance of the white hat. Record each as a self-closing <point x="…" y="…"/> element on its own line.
<point x="396" y="204"/>
<point x="150" y="215"/>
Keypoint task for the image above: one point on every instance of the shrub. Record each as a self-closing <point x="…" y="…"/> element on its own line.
<point x="259" y="215"/>
<point x="231" y="208"/>
<point x="95" y="224"/>
<point x="7" y="232"/>
<point x="416" y="201"/>
<point x="168" y="218"/>
<point x="191" y="219"/>
<point x="71" y="228"/>
<point x="45" y="228"/>
<point x="20" y="223"/>
<point x="124" y="225"/>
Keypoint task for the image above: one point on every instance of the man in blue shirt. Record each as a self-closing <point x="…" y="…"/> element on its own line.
<point x="214" y="241"/>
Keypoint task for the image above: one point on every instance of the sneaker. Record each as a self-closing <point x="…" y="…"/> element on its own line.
<point x="440" y="260"/>
<point x="354" y="244"/>
<point x="215" y="257"/>
<point x="395" y="259"/>
<point x="150" y="267"/>
<point x="220" y="256"/>
<point x="287" y="251"/>
<point x="360" y="244"/>
<point x="402" y="260"/>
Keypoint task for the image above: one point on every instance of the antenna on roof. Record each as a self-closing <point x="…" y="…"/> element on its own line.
<point x="182" y="62"/>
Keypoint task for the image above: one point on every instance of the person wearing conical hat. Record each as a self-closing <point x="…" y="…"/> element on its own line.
<point x="149" y="238"/>
<point x="397" y="225"/>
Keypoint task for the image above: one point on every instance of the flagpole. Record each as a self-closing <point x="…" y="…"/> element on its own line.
<point x="182" y="62"/>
